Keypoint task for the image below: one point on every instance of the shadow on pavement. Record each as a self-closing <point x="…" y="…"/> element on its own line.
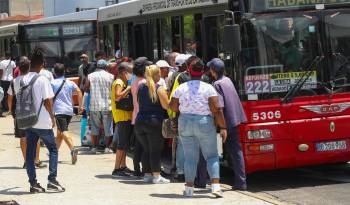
<point x="109" y="176"/>
<point x="134" y="182"/>
<point x="5" y="168"/>
<point x="16" y="193"/>
<point x="180" y="196"/>
<point x="8" y="134"/>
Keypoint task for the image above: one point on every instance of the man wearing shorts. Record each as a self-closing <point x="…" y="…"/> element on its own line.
<point x="63" y="107"/>
<point x="99" y="85"/>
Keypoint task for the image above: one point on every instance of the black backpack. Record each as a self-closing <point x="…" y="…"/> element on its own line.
<point x="26" y="114"/>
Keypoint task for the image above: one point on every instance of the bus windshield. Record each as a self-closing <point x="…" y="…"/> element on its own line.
<point x="276" y="51"/>
<point x="338" y="32"/>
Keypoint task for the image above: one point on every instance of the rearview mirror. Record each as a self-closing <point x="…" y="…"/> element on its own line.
<point x="232" y="39"/>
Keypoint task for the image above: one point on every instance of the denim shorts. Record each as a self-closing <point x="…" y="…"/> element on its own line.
<point x="99" y="118"/>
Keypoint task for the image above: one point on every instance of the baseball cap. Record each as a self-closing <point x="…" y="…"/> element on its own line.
<point x="142" y="61"/>
<point x="163" y="64"/>
<point x="181" y="59"/>
<point x="102" y="64"/>
<point x="217" y="64"/>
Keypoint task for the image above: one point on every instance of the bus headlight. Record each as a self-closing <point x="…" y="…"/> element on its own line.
<point x="259" y="134"/>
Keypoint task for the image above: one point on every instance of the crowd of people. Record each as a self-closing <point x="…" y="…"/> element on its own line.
<point x="136" y="103"/>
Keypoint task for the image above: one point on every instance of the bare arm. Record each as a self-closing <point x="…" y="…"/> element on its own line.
<point x="87" y="86"/>
<point x="120" y="93"/>
<point x="218" y="116"/>
<point x="163" y="98"/>
<point x="48" y="105"/>
<point x="174" y="104"/>
<point x="80" y="99"/>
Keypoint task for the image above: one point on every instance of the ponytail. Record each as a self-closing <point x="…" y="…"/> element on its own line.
<point x="151" y="72"/>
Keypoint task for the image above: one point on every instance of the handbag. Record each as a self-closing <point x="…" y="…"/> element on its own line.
<point x="125" y="103"/>
<point x="169" y="129"/>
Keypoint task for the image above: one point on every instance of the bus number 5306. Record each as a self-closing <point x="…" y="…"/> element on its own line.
<point x="266" y="115"/>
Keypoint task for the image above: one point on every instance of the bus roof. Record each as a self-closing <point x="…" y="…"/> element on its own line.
<point x="76" y="16"/>
<point x="9" y="30"/>
<point x="144" y="7"/>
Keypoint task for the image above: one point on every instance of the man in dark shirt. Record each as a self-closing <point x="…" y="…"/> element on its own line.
<point x="234" y="116"/>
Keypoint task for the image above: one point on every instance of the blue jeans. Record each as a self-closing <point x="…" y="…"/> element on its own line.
<point x="197" y="132"/>
<point x="47" y="136"/>
<point x="180" y="157"/>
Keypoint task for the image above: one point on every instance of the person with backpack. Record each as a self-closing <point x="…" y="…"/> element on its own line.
<point x="6" y="76"/>
<point x="63" y="107"/>
<point x="24" y="65"/>
<point x="34" y="113"/>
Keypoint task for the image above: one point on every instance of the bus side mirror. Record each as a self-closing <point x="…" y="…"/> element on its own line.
<point x="232" y="39"/>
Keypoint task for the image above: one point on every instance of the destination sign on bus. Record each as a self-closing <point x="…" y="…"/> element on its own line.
<point x="277" y="82"/>
<point x="278" y="4"/>
<point x="77" y="29"/>
<point x="40" y="32"/>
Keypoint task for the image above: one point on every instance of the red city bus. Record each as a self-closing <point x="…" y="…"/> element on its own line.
<point x="292" y="71"/>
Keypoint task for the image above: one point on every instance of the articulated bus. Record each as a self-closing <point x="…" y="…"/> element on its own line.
<point x="64" y="38"/>
<point x="293" y="76"/>
<point x="155" y="28"/>
<point x="289" y="61"/>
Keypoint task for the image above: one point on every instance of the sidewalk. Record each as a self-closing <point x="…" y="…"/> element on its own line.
<point x="89" y="181"/>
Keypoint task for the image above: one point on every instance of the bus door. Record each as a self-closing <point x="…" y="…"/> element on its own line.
<point x="142" y="40"/>
<point x="213" y="36"/>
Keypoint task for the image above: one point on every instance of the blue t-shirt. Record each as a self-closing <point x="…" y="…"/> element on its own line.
<point x="63" y="104"/>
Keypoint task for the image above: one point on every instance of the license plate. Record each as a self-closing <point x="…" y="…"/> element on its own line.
<point x="331" y="146"/>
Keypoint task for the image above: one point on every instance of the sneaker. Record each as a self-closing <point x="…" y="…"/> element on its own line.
<point x="127" y="170"/>
<point x="40" y="165"/>
<point x="179" y="178"/>
<point x="36" y="188"/>
<point x="188" y="192"/>
<point x="216" y="190"/>
<point x="160" y="180"/>
<point x="93" y="150"/>
<point x="120" y="173"/>
<point x="147" y="178"/>
<point x="108" y="151"/>
<point x="74" y="154"/>
<point x="55" y="186"/>
<point x="137" y="173"/>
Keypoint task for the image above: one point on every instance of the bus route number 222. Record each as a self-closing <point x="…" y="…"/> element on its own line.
<point x="266" y="115"/>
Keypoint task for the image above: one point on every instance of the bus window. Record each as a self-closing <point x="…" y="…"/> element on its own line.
<point x="109" y="39"/>
<point x="117" y="50"/>
<point x="214" y="34"/>
<point x="155" y="39"/>
<point x="166" y="40"/>
<point x="192" y="34"/>
<point x="176" y="34"/>
<point x="52" y="51"/>
<point x="73" y="49"/>
<point x="141" y="33"/>
<point x="124" y="40"/>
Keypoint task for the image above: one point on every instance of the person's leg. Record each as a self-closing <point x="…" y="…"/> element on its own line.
<point x="32" y="141"/>
<point x="202" y="175"/>
<point x="96" y="120"/>
<point x="5" y="86"/>
<point x="120" y="154"/>
<point x="23" y="143"/>
<point x="59" y="139"/>
<point x="142" y="139"/>
<point x="234" y="149"/>
<point x="49" y="139"/>
<point x="107" y="121"/>
<point x="180" y="157"/>
<point x="37" y="156"/>
<point x="190" y="146"/>
<point x="137" y="156"/>
<point x="205" y="132"/>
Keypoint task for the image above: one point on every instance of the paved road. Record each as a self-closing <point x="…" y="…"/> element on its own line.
<point x="313" y="185"/>
<point x="90" y="181"/>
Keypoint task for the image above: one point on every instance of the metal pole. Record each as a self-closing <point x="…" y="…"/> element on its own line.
<point x="28" y="5"/>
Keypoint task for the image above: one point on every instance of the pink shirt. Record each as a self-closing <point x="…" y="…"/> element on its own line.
<point x="134" y="89"/>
